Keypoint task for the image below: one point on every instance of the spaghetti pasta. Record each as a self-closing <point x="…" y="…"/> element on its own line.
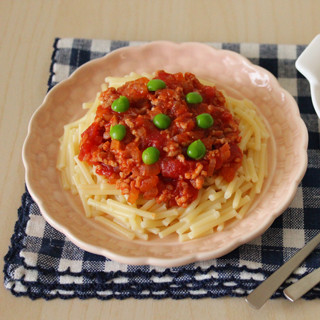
<point x="217" y="203"/>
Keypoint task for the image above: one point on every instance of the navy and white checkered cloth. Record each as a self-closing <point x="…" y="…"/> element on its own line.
<point x="43" y="263"/>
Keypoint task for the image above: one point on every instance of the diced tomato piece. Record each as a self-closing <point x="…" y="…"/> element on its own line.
<point x="172" y="168"/>
<point x="90" y="140"/>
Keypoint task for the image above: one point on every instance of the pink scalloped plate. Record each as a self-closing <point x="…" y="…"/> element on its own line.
<point x="229" y="71"/>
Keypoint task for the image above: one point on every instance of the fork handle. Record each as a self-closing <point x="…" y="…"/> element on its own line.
<point x="265" y="290"/>
<point x="302" y="286"/>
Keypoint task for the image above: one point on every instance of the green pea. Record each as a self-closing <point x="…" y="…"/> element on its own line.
<point x="196" y="150"/>
<point x="118" y="132"/>
<point x="161" y="121"/>
<point x="156" y="84"/>
<point x="121" y="104"/>
<point x="150" y="155"/>
<point x="204" y="120"/>
<point x="194" y="97"/>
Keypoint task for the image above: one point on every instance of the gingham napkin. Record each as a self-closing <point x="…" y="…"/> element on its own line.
<point x="43" y="263"/>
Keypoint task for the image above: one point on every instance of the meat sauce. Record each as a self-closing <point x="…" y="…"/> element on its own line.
<point x="175" y="179"/>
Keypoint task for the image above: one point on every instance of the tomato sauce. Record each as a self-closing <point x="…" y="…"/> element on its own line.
<point x="174" y="179"/>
